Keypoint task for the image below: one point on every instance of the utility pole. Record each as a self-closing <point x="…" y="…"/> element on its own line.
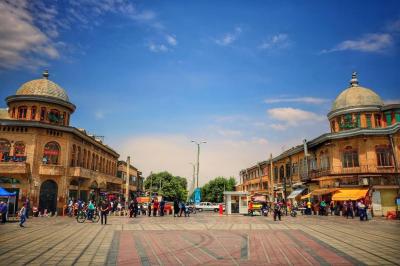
<point x="193" y="181"/>
<point x="271" y="178"/>
<point x="128" y="166"/>
<point x="198" y="161"/>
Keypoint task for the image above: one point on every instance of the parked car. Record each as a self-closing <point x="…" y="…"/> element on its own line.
<point x="208" y="206"/>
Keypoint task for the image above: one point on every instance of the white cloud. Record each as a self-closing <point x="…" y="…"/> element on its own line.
<point x="229" y="132"/>
<point x="394" y="26"/>
<point x="157" y="48"/>
<point x="278" y="41"/>
<point x="311" y="100"/>
<point x="21" y="42"/>
<point x="229" y="38"/>
<point x="171" y="40"/>
<point x="291" y="117"/>
<point x="392" y="101"/>
<point x="369" y="43"/>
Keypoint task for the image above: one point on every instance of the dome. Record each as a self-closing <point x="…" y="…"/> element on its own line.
<point x="43" y="87"/>
<point x="356" y="95"/>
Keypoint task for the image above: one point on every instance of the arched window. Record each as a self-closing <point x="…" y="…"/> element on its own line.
<point x="4" y="150"/>
<point x="73" y="156"/>
<point x="22" y="110"/>
<point x="384" y="156"/>
<point x="19" y="151"/>
<point x="51" y="153"/>
<point x="350" y="158"/>
<point x="88" y="160"/>
<point x="42" y="113"/>
<point x="281" y="173"/>
<point x="275" y="174"/>
<point x="93" y="161"/>
<point x="84" y="158"/>
<point x="79" y="157"/>
<point x="13" y="112"/>
<point x="33" y="112"/>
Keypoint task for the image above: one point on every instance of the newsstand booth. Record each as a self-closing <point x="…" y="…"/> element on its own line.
<point x="236" y="202"/>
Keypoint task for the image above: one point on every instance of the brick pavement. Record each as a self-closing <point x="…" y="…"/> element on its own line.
<point x="204" y="239"/>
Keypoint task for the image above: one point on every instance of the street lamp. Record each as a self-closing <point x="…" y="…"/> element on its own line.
<point x="193" y="180"/>
<point x="198" y="163"/>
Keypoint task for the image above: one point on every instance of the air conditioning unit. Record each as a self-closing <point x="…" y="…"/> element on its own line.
<point x="336" y="184"/>
<point x="364" y="181"/>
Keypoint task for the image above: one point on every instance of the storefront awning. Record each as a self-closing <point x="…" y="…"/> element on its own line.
<point x="350" y="194"/>
<point x="295" y="193"/>
<point x="323" y="191"/>
<point x="306" y="196"/>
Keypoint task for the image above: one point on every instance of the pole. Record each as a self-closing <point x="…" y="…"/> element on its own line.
<point x="198" y="164"/>
<point x="272" y="178"/>
<point x="128" y="166"/>
<point x="284" y="192"/>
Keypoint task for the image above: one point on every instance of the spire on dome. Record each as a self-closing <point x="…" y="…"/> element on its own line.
<point x="46" y="74"/>
<point x="354" y="80"/>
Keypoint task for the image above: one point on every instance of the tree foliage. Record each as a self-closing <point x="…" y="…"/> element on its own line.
<point x="213" y="191"/>
<point x="167" y="185"/>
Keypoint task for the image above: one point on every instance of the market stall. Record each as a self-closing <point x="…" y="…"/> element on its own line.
<point x="11" y="197"/>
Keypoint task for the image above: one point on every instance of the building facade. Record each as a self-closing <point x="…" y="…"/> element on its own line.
<point x="135" y="182"/>
<point x="45" y="159"/>
<point x="361" y="153"/>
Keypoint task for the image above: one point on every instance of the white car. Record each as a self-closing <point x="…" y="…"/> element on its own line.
<point x="208" y="206"/>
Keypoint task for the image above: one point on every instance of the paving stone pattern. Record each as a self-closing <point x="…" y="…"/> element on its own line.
<point x="203" y="239"/>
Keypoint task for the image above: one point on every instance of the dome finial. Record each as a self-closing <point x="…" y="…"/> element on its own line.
<point x="46" y="74"/>
<point x="354" y="80"/>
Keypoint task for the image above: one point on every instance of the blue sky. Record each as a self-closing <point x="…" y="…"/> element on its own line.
<point x="251" y="78"/>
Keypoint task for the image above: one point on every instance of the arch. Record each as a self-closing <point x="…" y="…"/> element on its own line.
<point x="93" y="161"/>
<point x="48" y="196"/>
<point x="33" y="112"/>
<point x="281" y="172"/>
<point x="22" y="111"/>
<point x="88" y="160"/>
<point x="51" y="153"/>
<point x="84" y="158"/>
<point x="79" y="157"/>
<point x="5" y="147"/>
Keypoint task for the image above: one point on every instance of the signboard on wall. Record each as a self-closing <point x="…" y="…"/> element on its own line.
<point x="197" y="196"/>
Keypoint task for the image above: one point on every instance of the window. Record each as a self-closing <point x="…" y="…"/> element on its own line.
<point x="281" y="173"/>
<point x="333" y="124"/>
<point x="13" y="113"/>
<point x="51" y="153"/>
<point x="288" y="174"/>
<point x="350" y="158"/>
<point x="384" y="156"/>
<point x="42" y="113"/>
<point x="368" y="117"/>
<point x="358" y="120"/>
<point x="79" y="158"/>
<point x="22" y="112"/>
<point x="324" y="161"/>
<point x="388" y="118"/>
<point x="397" y="116"/>
<point x="377" y="120"/>
<point x="295" y="169"/>
<point x="54" y="116"/>
<point x="64" y="119"/>
<point x="275" y="174"/>
<point x="19" y="149"/>
<point x="4" y="150"/>
<point x="73" y="155"/>
<point x="33" y="113"/>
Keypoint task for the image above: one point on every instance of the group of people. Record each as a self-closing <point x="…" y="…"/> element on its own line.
<point x="23" y="212"/>
<point x="347" y="208"/>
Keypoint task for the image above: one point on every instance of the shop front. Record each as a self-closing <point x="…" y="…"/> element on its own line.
<point x="384" y="199"/>
<point x="236" y="202"/>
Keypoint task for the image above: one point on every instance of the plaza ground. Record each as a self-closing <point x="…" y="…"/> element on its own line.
<point x="202" y="239"/>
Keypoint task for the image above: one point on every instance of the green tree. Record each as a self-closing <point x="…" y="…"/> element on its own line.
<point x="213" y="191"/>
<point x="167" y="185"/>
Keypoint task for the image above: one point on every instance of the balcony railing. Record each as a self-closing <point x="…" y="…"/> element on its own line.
<point x="14" y="168"/>
<point x="13" y="159"/>
<point x="91" y="174"/>
<point x="51" y="169"/>
<point x="362" y="169"/>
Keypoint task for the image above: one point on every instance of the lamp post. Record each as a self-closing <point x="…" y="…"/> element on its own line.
<point x="198" y="163"/>
<point x="193" y="180"/>
<point x="128" y="166"/>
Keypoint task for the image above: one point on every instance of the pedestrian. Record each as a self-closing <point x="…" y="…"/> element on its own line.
<point x="332" y="207"/>
<point x="362" y="210"/>
<point x="162" y="206"/>
<point x="350" y="209"/>
<point x="131" y="209"/>
<point x="181" y="208"/>
<point x="104" y="211"/>
<point x="186" y="208"/>
<point x="135" y="207"/>
<point x="309" y="205"/>
<point x="22" y="217"/>
<point x="3" y="211"/>
<point x="176" y="207"/>
<point x="28" y="208"/>
<point x="149" y="208"/>
<point x="278" y="210"/>
<point x="322" y="207"/>
<point x="155" y="207"/>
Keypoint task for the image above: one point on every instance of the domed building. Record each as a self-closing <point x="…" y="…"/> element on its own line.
<point x="358" y="159"/>
<point x="44" y="159"/>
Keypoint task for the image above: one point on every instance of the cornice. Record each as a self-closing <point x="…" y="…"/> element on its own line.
<point x="36" y="98"/>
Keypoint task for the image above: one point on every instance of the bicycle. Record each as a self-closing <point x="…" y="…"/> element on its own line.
<point x="82" y="216"/>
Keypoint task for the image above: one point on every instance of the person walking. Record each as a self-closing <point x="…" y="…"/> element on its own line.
<point x="131" y="209"/>
<point x="309" y="205"/>
<point x="28" y="208"/>
<point x="278" y="210"/>
<point x="349" y="210"/>
<point x="155" y="207"/>
<point x="91" y="209"/>
<point x="362" y="210"/>
<point x="176" y="207"/>
<point x="104" y="207"/>
<point x="135" y="207"/>
<point x="162" y="206"/>
<point x="149" y="208"/>
<point x="22" y="217"/>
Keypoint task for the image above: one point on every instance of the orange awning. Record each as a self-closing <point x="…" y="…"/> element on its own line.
<point x="350" y="194"/>
<point x="306" y="196"/>
<point x="323" y="191"/>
